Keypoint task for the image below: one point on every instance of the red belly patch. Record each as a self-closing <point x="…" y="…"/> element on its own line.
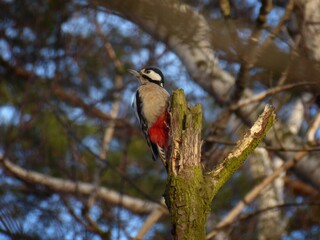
<point x="159" y="131"/>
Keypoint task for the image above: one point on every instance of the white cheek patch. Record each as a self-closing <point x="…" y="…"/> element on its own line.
<point x="154" y="76"/>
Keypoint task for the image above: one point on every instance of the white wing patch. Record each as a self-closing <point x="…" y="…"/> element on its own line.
<point x="135" y="107"/>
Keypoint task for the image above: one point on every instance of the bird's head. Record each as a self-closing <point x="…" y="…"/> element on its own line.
<point x="151" y="74"/>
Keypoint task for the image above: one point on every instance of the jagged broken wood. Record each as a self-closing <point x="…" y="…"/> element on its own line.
<point x="189" y="190"/>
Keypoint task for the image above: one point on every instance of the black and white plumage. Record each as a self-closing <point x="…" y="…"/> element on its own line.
<point x="150" y="104"/>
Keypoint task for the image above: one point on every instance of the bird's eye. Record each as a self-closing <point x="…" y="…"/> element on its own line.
<point x="148" y="71"/>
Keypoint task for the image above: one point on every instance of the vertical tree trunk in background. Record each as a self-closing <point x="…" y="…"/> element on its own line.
<point x="310" y="27"/>
<point x="261" y="167"/>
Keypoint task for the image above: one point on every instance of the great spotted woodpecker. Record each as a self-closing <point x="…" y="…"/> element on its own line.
<point x="150" y="104"/>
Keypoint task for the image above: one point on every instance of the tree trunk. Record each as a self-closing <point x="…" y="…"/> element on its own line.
<point x="185" y="195"/>
<point x="190" y="190"/>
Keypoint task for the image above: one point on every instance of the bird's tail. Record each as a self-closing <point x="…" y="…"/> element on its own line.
<point x="162" y="155"/>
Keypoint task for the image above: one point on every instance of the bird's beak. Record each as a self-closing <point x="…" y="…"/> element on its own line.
<point x="134" y="72"/>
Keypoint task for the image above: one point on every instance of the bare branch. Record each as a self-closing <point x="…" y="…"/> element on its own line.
<point x="245" y="146"/>
<point x="76" y="101"/>
<point x="254" y="50"/>
<point x="118" y="84"/>
<point x="313" y="129"/>
<point x="267" y="93"/>
<point x="264" y="11"/>
<point x="135" y="205"/>
<point x="301" y="187"/>
<point x="225" y="7"/>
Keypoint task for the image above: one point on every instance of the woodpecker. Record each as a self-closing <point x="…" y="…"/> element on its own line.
<point x="150" y="104"/>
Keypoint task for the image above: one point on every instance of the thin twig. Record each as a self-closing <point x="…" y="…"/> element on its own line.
<point x="313" y="129"/>
<point x="255" y="50"/>
<point x="74" y="100"/>
<point x="270" y="148"/>
<point x="252" y="52"/>
<point x="118" y="84"/>
<point x="110" y="128"/>
<point x="73" y="213"/>
<point x="267" y="93"/>
<point x="284" y="205"/>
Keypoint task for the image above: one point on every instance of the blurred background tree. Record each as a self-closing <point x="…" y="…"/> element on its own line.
<point x="74" y="164"/>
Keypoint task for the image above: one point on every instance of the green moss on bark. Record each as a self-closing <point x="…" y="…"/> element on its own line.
<point x="185" y="195"/>
<point x="188" y="201"/>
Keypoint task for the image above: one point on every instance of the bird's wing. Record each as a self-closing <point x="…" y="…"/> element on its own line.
<point x="137" y="105"/>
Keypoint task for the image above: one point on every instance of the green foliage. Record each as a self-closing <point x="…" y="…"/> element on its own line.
<point x="51" y="136"/>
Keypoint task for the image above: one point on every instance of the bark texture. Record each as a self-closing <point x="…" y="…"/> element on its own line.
<point x="186" y="196"/>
